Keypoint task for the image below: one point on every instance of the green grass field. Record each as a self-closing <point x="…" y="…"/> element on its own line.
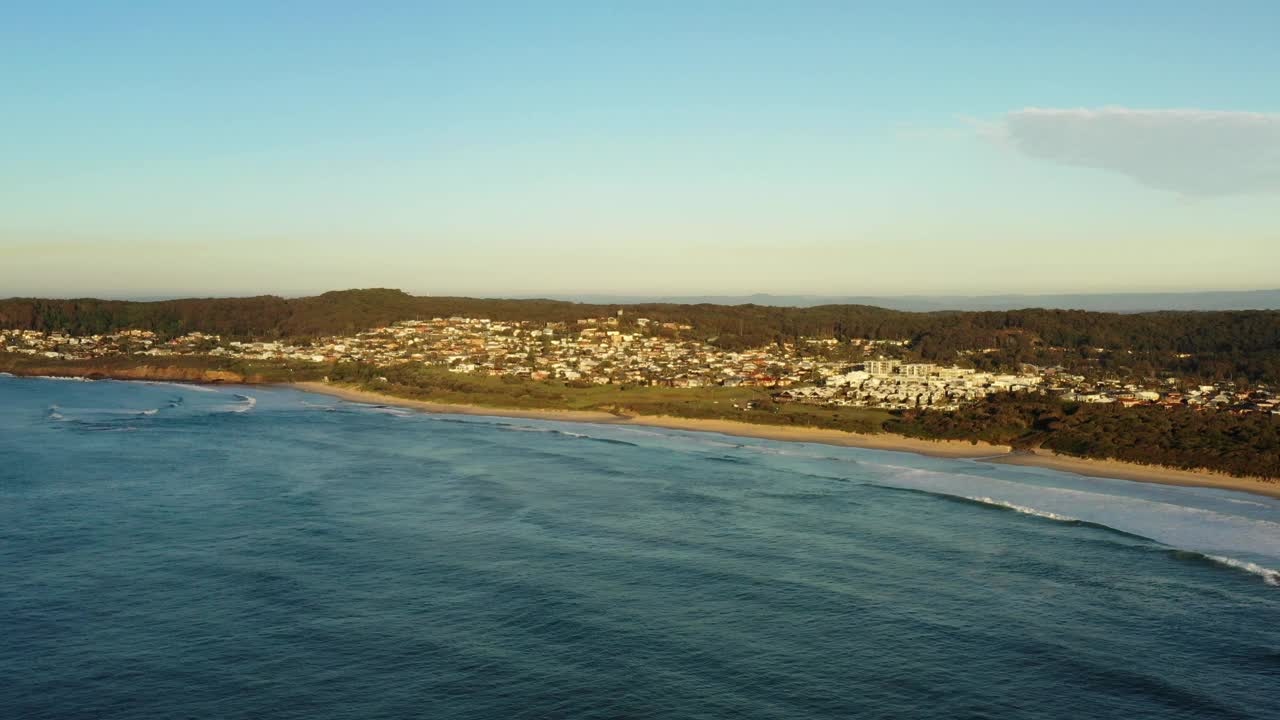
<point x="745" y="404"/>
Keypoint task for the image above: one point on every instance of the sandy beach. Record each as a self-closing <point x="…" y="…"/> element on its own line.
<point x="1002" y="454"/>
<point x="883" y="441"/>
<point x="366" y="396"/>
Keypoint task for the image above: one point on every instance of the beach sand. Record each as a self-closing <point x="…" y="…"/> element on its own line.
<point x="882" y="441"/>
<point x="1002" y="454"/>
<point x="375" y="398"/>
<point x="879" y="441"/>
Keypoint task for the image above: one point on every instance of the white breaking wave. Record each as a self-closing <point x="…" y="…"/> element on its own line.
<point x="1189" y="519"/>
<point x="1246" y="502"/>
<point x="153" y="411"/>
<point x="1269" y="576"/>
<point x="184" y="386"/>
<point x="397" y="412"/>
<point x="246" y="404"/>
<point x="1023" y="509"/>
<point x="526" y="428"/>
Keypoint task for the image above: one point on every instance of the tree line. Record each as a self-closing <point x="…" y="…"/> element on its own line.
<point x="1181" y="437"/>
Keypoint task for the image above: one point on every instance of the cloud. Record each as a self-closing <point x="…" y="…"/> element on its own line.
<point x="1196" y="153"/>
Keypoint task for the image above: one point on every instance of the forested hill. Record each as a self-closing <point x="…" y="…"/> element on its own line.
<point x="1211" y="344"/>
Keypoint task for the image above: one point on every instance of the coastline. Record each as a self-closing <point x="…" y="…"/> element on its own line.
<point x="823" y="436"/>
<point x="954" y="449"/>
<point x="1120" y="470"/>
<point x="375" y="398"/>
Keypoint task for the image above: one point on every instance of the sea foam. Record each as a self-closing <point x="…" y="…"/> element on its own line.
<point x="1023" y="509"/>
<point x="246" y="404"/>
<point x="1269" y="576"/>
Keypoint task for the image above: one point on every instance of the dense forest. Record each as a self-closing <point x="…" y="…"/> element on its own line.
<point x="1176" y="437"/>
<point x="1220" y="345"/>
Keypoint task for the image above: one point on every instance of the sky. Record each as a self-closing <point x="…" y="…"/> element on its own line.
<point x="504" y="149"/>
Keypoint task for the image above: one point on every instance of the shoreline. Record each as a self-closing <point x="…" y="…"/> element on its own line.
<point x="951" y="449"/>
<point x="884" y="441"/>
<point x="375" y="398"/>
<point x="1156" y="474"/>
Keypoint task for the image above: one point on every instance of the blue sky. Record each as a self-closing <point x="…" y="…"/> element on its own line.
<point x="692" y="147"/>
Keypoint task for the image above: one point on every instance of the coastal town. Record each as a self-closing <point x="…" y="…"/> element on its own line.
<point x="871" y="373"/>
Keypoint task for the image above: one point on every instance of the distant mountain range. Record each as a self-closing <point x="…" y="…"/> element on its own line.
<point x="1102" y="302"/>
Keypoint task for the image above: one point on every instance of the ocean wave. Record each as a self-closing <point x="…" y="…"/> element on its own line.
<point x="193" y="387"/>
<point x="1246" y="502"/>
<point x="99" y="419"/>
<point x="511" y="427"/>
<point x="111" y="412"/>
<point x="726" y="459"/>
<point x="802" y="496"/>
<point x="320" y="406"/>
<point x="185" y="386"/>
<point x="389" y="410"/>
<point x="801" y="454"/>
<point x="1186" y="530"/>
<point x="693" y="437"/>
<point x="992" y="503"/>
<point x="1269" y="576"/>
<point x="595" y="438"/>
<point x="639" y="431"/>
<point x="460" y="421"/>
<point x="828" y="478"/>
<point x="246" y="404"/>
<point x="1023" y="509"/>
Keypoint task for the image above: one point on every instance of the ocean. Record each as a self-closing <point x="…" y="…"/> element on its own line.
<point x="174" y="551"/>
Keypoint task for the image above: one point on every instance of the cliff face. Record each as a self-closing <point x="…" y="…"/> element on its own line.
<point x="139" y="372"/>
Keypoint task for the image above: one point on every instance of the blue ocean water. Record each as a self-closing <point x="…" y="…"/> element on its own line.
<point x="172" y="551"/>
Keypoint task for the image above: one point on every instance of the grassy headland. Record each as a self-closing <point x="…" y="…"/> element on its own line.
<point x="199" y="369"/>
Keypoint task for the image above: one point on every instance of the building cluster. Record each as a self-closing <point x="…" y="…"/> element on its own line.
<point x="1172" y="393"/>
<point x="610" y="350"/>
<point x="594" y="350"/>
<point x="894" y="384"/>
<point x="63" y="346"/>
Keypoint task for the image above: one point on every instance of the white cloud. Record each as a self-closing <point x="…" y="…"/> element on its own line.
<point x="1196" y="153"/>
